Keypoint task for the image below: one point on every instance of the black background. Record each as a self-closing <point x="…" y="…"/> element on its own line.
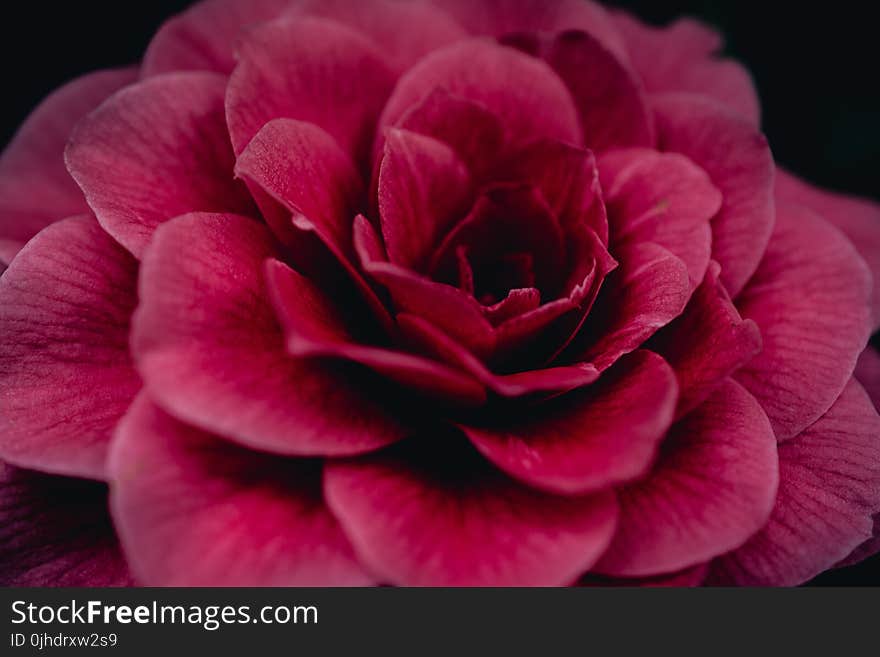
<point x="815" y="66"/>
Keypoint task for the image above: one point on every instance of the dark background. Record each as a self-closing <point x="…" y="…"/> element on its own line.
<point x="815" y="66"/>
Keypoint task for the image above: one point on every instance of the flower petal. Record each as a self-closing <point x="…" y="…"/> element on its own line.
<point x="857" y="218"/>
<point x="193" y="510"/>
<point x="707" y="343"/>
<point x="153" y="151"/>
<point x="712" y="488"/>
<point x="66" y="376"/>
<point x="736" y="156"/>
<point x="609" y="96"/>
<point x="35" y="188"/>
<point x="309" y="69"/>
<point x="203" y="37"/>
<point x="423" y="189"/>
<point x="56" y="531"/>
<point x="526" y="95"/>
<point x="209" y="348"/>
<point x="810" y="299"/>
<point x="868" y="373"/>
<point x="591" y="439"/>
<point x="662" y="198"/>
<point x="314" y="326"/>
<point x="683" y="57"/>
<point x="829" y="489"/>
<point x="415" y="522"/>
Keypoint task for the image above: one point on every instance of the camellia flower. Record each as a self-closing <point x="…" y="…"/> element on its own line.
<point x="453" y="293"/>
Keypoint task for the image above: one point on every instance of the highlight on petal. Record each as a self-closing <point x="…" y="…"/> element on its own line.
<point x="523" y="92"/>
<point x="829" y="490"/>
<point x="315" y="327"/>
<point x="707" y="343"/>
<point x="589" y="440"/>
<point x="308" y="69"/>
<point x="35" y="188"/>
<point x="405" y="31"/>
<point x="713" y="486"/>
<point x="613" y="109"/>
<point x="56" y="531"/>
<point x="423" y="189"/>
<point x="66" y="376"/>
<point x="857" y="218"/>
<point x="155" y="150"/>
<point x="194" y="510"/>
<point x="223" y="366"/>
<point x="810" y="298"/>
<point x="683" y="57"/>
<point x="431" y="513"/>
<point x="203" y="37"/>
<point x="662" y="198"/>
<point x="738" y="160"/>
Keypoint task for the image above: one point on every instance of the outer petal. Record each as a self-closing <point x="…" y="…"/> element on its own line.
<point x="65" y="372"/>
<point x="829" y="489"/>
<point x="857" y="218"/>
<point x="662" y="198"/>
<point x="405" y="31"/>
<point x="309" y="69"/>
<point x="203" y="37"/>
<point x="713" y="487"/>
<point x="35" y="188"/>
<point x="224" y="366"/>
<point x="423" y="189"/>
<point x="156" y="150"/>
<point x="810" y="299"/>
<point x="192" y="510"/>
<point x="609" y="96"/>
<point x="708" y="342"/>
<point x="314" y="326"/>
<point x="591" y="439"/>
<point x="526" y="95"/>
<point x="683" y="57"/>
<point x="56" y="531"/>
<point x="647" y="291"/>
<point x="736" y="157"/>
<point x="415" y="522"/>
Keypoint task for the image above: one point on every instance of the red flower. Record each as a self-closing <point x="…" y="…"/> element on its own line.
<point x="497" y="293"/>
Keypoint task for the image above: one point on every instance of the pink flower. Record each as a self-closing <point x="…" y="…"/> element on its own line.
<point x="462" y="293"/>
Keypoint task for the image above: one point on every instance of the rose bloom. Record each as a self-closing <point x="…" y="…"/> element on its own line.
<point x="428" y="293"/>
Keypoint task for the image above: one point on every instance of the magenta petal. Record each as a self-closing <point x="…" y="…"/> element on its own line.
<point x="193" y="510"/>
<point x="406" y="31"/>
<point x="527" y="96"/>
<point x="35" y="188"/>
<point x="736" y="156"/>
<point x="857" y="218"/>
<point x="423" y="189"/>
<point x="591" y="439"/>
<point x="707" y="343"/>
<point x="810" y="298"/>
<point x="662" y="198"/>
<point x="303" y="168"/>
<point x="56" y="531"/>
<point x="713" y="487"/>
<point x="829" y="489"/>
<point x="66" y="376"/>
<point x="415" y="522"/>
<point x="314" y="326"/>
<point x="647" y="291"/>
<point x="156" y="150"/>
<point x="609" y="96"/>
<point x="868" y="373"/>
<point x="203" y="37"/>
<point x="224" y="368"/>
<point x="309" y="69"/>
<point x="683" y="57"/>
